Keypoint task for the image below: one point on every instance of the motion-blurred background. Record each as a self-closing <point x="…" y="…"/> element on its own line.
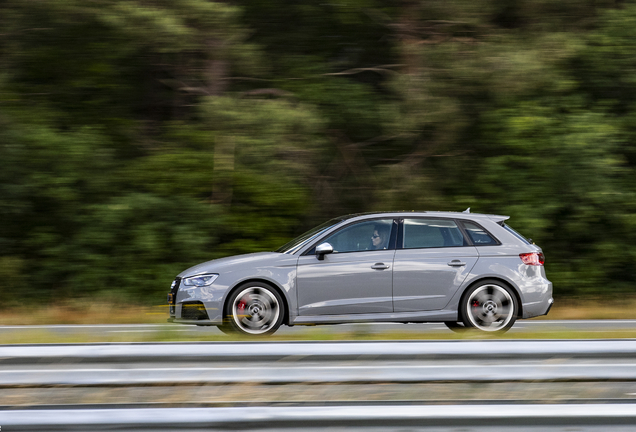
<point x="138" y="138"/>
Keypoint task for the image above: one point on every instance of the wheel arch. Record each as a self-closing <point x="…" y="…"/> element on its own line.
<point x="268" y="282"/>
<point x="513" y="288"/>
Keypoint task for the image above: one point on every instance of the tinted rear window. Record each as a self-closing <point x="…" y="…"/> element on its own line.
<point x="431" y="233"/>
<point x="478" y="235"/>
<point x="515" y="233"/>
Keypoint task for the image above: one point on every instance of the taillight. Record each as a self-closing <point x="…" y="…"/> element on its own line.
<point x="532" y="258"/>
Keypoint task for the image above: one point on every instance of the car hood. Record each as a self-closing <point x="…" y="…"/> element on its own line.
<point x="224" y="264"/>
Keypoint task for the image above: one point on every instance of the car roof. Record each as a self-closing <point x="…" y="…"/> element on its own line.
<point x="445" y="214"/>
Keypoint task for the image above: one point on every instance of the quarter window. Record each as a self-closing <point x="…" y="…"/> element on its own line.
<point x="478" y="235"/>
<point x="432" y="233"/>
<point x="515" y="233"/>
<point x="363" y="236"/>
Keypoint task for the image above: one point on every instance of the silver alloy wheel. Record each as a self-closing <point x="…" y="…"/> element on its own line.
<point x="255" y="310"/>
<point x="490" y="308"/>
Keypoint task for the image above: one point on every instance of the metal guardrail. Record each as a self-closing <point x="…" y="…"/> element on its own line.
<point x="389" y="418"/>
<point x="322" y="362"/>
<point x="326" y="374"/>
<point x="346" y="350"/>
<point x="140" y="364"/>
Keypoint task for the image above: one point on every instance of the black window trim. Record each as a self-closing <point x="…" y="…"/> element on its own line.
<point x="400" y="234"/>
<point x="392" y="235"/>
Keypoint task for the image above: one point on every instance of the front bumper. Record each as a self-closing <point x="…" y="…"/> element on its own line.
<point x="172" y="296"/>
<point x="200" y="306"/>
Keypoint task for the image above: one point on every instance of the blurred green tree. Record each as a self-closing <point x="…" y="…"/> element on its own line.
<point x="138" y="138"/>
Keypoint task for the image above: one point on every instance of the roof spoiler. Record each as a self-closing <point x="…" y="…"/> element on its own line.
<point x="499" y="218"/>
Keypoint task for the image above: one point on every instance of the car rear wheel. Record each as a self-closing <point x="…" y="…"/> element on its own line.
<point x="489" y="306"/>
<point x="457" y="327"/>
<point x="254" y="309"/>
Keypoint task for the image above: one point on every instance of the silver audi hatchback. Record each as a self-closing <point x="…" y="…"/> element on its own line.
<point x="466" y="270"/>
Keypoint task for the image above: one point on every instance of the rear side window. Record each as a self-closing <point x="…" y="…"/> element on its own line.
<point x="516" y="234"/>
<point x="431" y="233"/>
<point x="478" y="235"/>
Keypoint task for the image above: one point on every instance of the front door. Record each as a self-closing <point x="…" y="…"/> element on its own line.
<point x="356" y="278"/>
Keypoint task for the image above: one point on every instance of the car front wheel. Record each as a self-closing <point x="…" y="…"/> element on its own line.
<point x="489" y="306"/>
<point x="254" y="309"/>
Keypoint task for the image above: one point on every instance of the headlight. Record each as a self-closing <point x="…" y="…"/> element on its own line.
<point x="200" y="280"/>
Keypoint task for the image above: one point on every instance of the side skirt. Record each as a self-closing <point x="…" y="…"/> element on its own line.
<point x="197" y="322"/>
<point x="400" y="317"/>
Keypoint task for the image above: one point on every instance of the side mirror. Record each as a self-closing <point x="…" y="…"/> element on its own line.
<point x="322" y="250"/>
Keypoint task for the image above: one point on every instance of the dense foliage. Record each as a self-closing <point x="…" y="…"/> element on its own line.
<point x="140" y="137"/>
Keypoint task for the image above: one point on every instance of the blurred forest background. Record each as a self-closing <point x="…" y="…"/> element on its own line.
<point x="138" y="138"/>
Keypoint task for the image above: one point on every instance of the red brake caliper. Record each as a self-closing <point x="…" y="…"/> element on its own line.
<point x="241" y="307"/>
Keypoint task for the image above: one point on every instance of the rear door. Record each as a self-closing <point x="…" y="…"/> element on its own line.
<point x="433" y="261"/>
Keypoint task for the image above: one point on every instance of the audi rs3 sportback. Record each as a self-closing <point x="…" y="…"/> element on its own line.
<point x="467" y="270"/>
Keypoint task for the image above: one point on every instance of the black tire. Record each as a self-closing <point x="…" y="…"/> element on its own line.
<point x="254" y="309"/>
<point x="227" y="329"/>
<point x="489" y="306"/>
<point x="457" y="327"/>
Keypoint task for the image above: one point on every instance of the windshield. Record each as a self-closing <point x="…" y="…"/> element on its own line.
<point x="296" y="244"/>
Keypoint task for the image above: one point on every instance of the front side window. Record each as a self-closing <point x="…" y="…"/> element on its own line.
<point x="478" y="235"/>
<point x="363" y="236"/>
<point x="432" y="233"/>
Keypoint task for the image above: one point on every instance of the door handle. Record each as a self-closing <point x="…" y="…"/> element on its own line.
<point x="379" y="266"/>
<point x="456" y="263"/>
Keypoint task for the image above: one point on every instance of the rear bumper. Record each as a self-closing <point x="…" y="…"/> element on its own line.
<point x="549" y="307"/>
<point x="531" y="310"/>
